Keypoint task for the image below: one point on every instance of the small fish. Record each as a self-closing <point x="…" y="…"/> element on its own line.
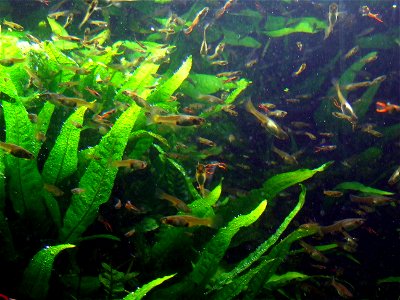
<point x="267" y="122"/>
<point x="277" y="113"/>
<point x="133" y="164"/>
<point x="345" y="107"/>
<point x="206" y="142"/>
<point x="58" y="14"/>
<point x="220" y="12"/>
<point x="340" y="226"/>
<point x="188" y="221"/>
<point x="137" y="99"/>
<point x="101" y="24"/>
<point x="229" y="108"/>
<point x="395" y="177"/>
<point x="300" y="70"/>
<point x="78" y="191"/>
<point x="200" y="15"/>
<point x="93" y="92"/>
<point x="383" y="107"/>
<point x="379" y="79"/>
<point x="231" y="79"/>
<point x="314" y="253"/>
<point x="334" y="194"/>
<point x="201" y="177"/>
<point x="16" y="151"/>
<point x="9" y="62"/>
<point x="299" y="45"/>
<point x="229" y="74"/>
<point x="352" y="52"/>
<point x="251" y="63"/>
<point x="341" y="289"/>
<point x="177" y="203"/>
<point x="342" y="116"/>
<point x="204" y="46"/>
<point x="218" y="51"/>
<point x="286" y="157"/>
<point x="300" y="125"/>
<point x="368" y="128"/>
<point x="177" y="120"/>
<point x="13" y="25"/>
<point x="210" y="99"/>
<point x="324" y="148"/>
<point x="55" y="191"/>
<point x="370" y="59"/>
<point x="357" y="85"/>
<point x="69" y="101"/>
<point x="33" y="39"/>
<point x="366" y="12"/>
<point x="332" y="19"/>
<point x="220" y="63"/>
<point x="69" y="38"/>
<point x="69" y="20"/>
<point x="372" y="200"/>
<point x="91" y="8"/>
<point x="327" y="134"/>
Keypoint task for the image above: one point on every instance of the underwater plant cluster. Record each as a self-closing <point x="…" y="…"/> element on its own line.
<point x="213" y="149"/>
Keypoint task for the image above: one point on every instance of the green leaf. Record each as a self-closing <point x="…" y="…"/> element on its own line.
<point x="63" y="158"/>
<point x="263" y="248"/>
<point x="361" y="106"/>
<point x="215" y="249"/>
<point x="24" y="178"/>
<point x="98" y="180"/>
<point x="277" y="281"/>
<point x="100" y="236"/>
<point x="204" y="84"/>
<point x="43" y="123"/>
<point x="203" y="207"/>
<point x="306" y="25"/>
<point x="357" y="186"/>
<point x="53" y="208"/>
<point x="142" y="291"/>
<point x="36" y="278"/>
<point x="140" y="133"/>
<point x="234" y="39"/>
<point x="6" y="84"/>
<point x="390" y="279"/>
<point x="57" y="28"/>
<point x="165" y="90"/>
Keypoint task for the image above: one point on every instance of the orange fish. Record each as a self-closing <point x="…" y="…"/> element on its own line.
<point x="366" y="12"/>
<point x="383" y="107"/>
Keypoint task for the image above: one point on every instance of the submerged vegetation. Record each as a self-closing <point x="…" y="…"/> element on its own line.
<point x="133" y="161"/>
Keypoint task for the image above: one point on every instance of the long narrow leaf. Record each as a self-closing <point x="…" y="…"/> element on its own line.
<point x="25" y="181"/>
<point x="36" y="277"/>
<point x="63" y="158"/>
<point x="98" y="180"/>
<point x="142" y="291"/>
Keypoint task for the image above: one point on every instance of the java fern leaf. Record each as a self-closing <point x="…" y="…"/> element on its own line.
<point x="142" y="291"/>
<point x="357" y="186"/>
<point x="165" y="90"/>
<point x="98" y="180"/>
<point x="25" y="181"/>
<point x="35" y="284"/>
<point x="43" y="122"/>
<point x="277" y="257"/>
<point x="278" y="26"/>
<point x="63" y="158"/>
<point x="7" y="86"/>
<point x="225" y="278"/>
<point x="203" y="207"/>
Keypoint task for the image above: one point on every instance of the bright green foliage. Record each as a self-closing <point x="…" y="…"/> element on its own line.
<point x="204" y="84"/>
<point x="113" y="281"/>
<point x="263" y="248"/>
<point x="165" y="91"/>
<point x="98" y="180"/>
<point x="56" y="27"/>
<point x="142" y="291"/>
<point x="63" y="159"/>
<point x="141" y="133"/>
<point x="203" y="207"/>
<point x="391" y="279"/>
<point x="43" y="122"/>
<point x="215" y="249"/>
<point x="277" y="281"/>
<point x="357" y="186"/>
<point x="37" y="275"/>
<point x="281" y="26"/>
<point x="233" y="39"/>
<point x="6" y="85"/>
<point x="25" y="181"/>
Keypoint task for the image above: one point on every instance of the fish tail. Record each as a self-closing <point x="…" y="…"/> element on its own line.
<point x="94" y="106"/>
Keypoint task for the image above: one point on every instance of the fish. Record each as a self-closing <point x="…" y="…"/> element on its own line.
<point x="383" y="107"/>
<point x="395" y="177"/>
<point x="366" y="12"/>
<point x="300" y="70"/>
<point x="332" y="19"/>
<point x="70" y="101"/>
<point x="342" y="116"/>
<point x="229" y="74"/>
<point x="78" y="191"/>
<point x="177" y="120"/>
<point x="379" y="79"/>
<point x="201" y="177"/>
<point x="177" y="203"/>
<point x="13" y="25"/>
<point x="231" y="79"/>
<point x="69" y="38"/>
<point x="345" y="107"/>
<point x="270" y="125"/>
<point x="324" y="148"/>
<point x="218" y="51"/>
<point x="300" y="124"/>
<point x="55" y="191"/>
<point x="342" y="225"/>
<point x="220" y="12"/>
<point x="341" y="289"/>
<point x="331" y="193"/>
<point x="219" y="63"/>
<point x="33" y="39"/>
<point x="200" y="15"/>
<point x="17" y="151"/>
<point x="277" y="113"/>
<point x="188" y="221"/>
<point x="368" y="128"/>
<point x="357" y="85"/>
<point x="314" y="253"/>
<point x="133" y="164"/>
<point x="286" y="157"/>
<point x="91" y="8"/>
<point x="251" y="63"/>
<point x="229" y="108"/>
<point x="204" y="46"/>
<point x="69" y="20"/>
<point x="9" y="62"/>
<point x="137" y="99"/>
<point x="206" y="142"/>
<point x="210" y="98"/>
<point x="352" y="52"/>
<point x="372" y="200"/>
